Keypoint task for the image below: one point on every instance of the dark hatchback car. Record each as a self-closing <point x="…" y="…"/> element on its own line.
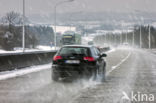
<point x="78" y="61"/>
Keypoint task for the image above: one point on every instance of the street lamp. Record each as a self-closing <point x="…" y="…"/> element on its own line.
<point x="126" y="36"/>
<point x="55" y="13"/>
<point x="140" y="38"/>
<point x="133" y="38"/>
<point x="23" y="27"/>
<point x="140" y="29"/>
<point x="121" y="38"/>
<point x="149" y="37"/>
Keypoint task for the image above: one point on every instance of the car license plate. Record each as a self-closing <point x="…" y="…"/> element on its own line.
<point x="72" y="61"/>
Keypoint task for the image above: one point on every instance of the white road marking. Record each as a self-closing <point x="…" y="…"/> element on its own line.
<point x="122" y="61"/>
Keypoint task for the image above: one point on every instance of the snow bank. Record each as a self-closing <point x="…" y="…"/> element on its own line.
<point x="15" y="73"/>
<point x="38" y="48"/>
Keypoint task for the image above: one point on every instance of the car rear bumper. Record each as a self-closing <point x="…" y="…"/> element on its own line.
<point x="72" y="71"/>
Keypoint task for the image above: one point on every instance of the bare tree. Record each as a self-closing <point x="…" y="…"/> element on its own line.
<point x="12" y="18"/>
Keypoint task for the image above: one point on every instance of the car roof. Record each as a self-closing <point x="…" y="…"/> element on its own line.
<point x="85" y="46"/>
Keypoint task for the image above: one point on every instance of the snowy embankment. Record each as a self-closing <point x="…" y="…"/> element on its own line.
<point x="38" y="48"/>
<point x="16" y="61"/>
<point x="16" y="73"/>
<point x="154" y="51"/>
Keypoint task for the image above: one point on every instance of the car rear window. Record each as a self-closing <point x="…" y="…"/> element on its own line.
<point x="74" y="51"/>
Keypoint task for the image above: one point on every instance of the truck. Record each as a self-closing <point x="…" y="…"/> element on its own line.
<point x="71" y="38"/>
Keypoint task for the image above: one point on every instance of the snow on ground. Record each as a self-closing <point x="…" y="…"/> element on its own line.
<point x="42" y="47"/>
<point x="86" y="39"/>
<point x="154" y="50"/>
<point x="20" y="72"/>
<point x="62" y="29"/>
<point x="38" y="48"/>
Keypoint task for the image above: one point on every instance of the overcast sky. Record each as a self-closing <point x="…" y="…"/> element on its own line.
<point x="47" y="6"/>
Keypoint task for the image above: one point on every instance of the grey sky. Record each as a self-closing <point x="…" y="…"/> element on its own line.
<point x="47" y="6"/>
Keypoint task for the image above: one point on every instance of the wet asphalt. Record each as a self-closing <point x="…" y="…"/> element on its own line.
<point x="129" y="71"/>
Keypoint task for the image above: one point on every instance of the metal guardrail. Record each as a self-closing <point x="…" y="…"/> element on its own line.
<point x="29" y="52"/>
<point x="11" y="61"/>
<point x="20" y="60"/>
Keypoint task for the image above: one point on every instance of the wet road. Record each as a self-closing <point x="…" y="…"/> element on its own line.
<point x="128" y="72"/>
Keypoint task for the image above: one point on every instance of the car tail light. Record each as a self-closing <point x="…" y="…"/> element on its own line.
<point x="55" y="58"/>
<point x="89" y="58"/>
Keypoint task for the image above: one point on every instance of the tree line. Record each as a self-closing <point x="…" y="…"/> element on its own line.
<point x="127" y="37"/>
<point x="11" y="33"/>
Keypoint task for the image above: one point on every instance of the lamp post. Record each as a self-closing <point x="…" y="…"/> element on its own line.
<point x="55" y="13"/>
<point x="133" y="38"/>
<point x="140" y="38"/>
<point x="149" y="37"/>
<point x="140" y="45"/>
<point x="121" y="38"/>
<point x="23" y="27"/>
<point x="126" y="36"/>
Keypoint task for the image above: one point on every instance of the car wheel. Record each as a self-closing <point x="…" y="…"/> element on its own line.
<point x="104" y="72"/>
<point x="55" y="75"/>
<point x="95" y="73"/>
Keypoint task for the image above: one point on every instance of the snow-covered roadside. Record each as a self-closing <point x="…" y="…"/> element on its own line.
<point x="154" y="50"/>
<point x="38" y="48"/>
<point x="20" y="72"/>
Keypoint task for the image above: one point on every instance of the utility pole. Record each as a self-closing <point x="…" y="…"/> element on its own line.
<point x="105" y="38"/>
<point x="55" y="17"/>
<point x="140" y="38"/>
<point x="115" y="36"/>
<point x="55" y="27"/>
<point x="126" y="36"/>
<point x="149" y="37"/>
<point x="23" y="27"/>
<point x="133" y="38"/>
<point x="121" y="39"/>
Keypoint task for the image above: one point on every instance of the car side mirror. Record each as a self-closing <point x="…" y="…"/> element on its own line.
<point x="103" y="55"/>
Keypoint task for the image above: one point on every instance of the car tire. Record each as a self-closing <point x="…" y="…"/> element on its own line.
<point x="95" y="73"/>
<point x="104" y="72"/>
<point x="55" y="75"/>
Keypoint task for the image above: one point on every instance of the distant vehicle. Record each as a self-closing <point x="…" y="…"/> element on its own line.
<point x="90" y="43"/>
<point x="78" y="61"/>
<point x="71" y="38"/>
